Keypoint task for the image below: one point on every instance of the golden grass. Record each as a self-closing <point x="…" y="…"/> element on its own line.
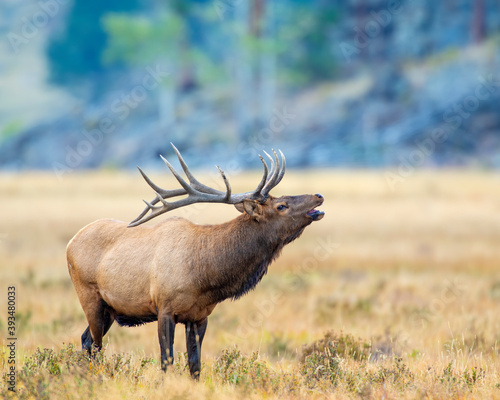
<point x="414" y="273"/>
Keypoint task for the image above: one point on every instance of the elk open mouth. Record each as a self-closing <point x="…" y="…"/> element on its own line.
<point x="316" y="215"/>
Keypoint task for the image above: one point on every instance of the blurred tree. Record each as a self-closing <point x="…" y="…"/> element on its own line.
<point x="267" y="58"/>
<point x="141" y="40"/>
<point x="255" y="48"/>
<point x="307" y="31"/>
<point x="75" y="53"/>
<point x="478" y="27"/>
<point x="163" y="36"/>
<point x="243" y="70"/>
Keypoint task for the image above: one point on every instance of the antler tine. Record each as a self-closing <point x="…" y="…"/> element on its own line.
<point x="283" y="168"/>
<point x="142" y="214"/>
<point x="264" y="177"/>
<point x="155" y="211"/>
<point x="163" y="192"/>
<point x="226" y="182"/>
<point x="192" y="180"/>
<point x="179" y="178"/>
<point x="272" y="162"/>
<point x="272" y="182"/>
<point x="149" y="206"/>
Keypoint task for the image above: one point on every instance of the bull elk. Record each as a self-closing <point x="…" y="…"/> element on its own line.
<point x="178" y="271"/>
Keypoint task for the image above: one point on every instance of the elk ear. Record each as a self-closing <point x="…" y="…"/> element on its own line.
<point x="252" y="208"/>
<point x="239" y="207"/>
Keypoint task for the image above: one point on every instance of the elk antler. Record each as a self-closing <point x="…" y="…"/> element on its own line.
<point x="199" y="193"/>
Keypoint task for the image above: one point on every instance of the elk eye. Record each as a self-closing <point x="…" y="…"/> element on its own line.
<point x="281" y="207"/>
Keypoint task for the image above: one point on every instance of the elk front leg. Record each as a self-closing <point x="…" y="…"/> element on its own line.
<point x="166" y="331"/>
<point x="195" y="331"/>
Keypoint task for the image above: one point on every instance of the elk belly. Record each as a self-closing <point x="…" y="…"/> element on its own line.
<point x="133" y="306"/>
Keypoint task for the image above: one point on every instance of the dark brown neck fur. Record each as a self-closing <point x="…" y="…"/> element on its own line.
<point x="245" y="249"/>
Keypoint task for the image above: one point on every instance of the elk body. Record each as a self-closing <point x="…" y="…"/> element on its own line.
<point x="177" y="271"/>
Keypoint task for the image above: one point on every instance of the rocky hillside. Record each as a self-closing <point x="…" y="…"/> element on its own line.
<point x="413" y="88"/>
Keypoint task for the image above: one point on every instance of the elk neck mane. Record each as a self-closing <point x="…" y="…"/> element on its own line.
<point x="238" y="258"/>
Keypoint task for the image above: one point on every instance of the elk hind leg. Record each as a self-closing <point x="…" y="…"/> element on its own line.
<point x="100" y="318"/>
<point x="87" y="340"/>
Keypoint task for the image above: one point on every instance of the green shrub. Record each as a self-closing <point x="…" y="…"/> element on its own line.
<point x="234" y="368"/>
<point x="343" y="346"/>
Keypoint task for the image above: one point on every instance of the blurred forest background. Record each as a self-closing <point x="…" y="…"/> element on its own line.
<point x="359" y="83"/>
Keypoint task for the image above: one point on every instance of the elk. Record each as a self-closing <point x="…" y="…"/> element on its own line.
<point x="177" y="271"/>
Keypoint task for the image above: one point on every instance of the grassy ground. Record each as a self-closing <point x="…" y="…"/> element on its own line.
<point x="391" y="295"/>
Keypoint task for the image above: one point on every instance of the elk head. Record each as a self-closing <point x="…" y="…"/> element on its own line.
<point x="285" y="215"/>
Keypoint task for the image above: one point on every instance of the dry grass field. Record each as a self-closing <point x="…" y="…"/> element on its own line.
<point x="392" y="295"/>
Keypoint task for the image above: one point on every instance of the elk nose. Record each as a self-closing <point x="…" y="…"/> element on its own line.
<point x="319" y="196"/>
